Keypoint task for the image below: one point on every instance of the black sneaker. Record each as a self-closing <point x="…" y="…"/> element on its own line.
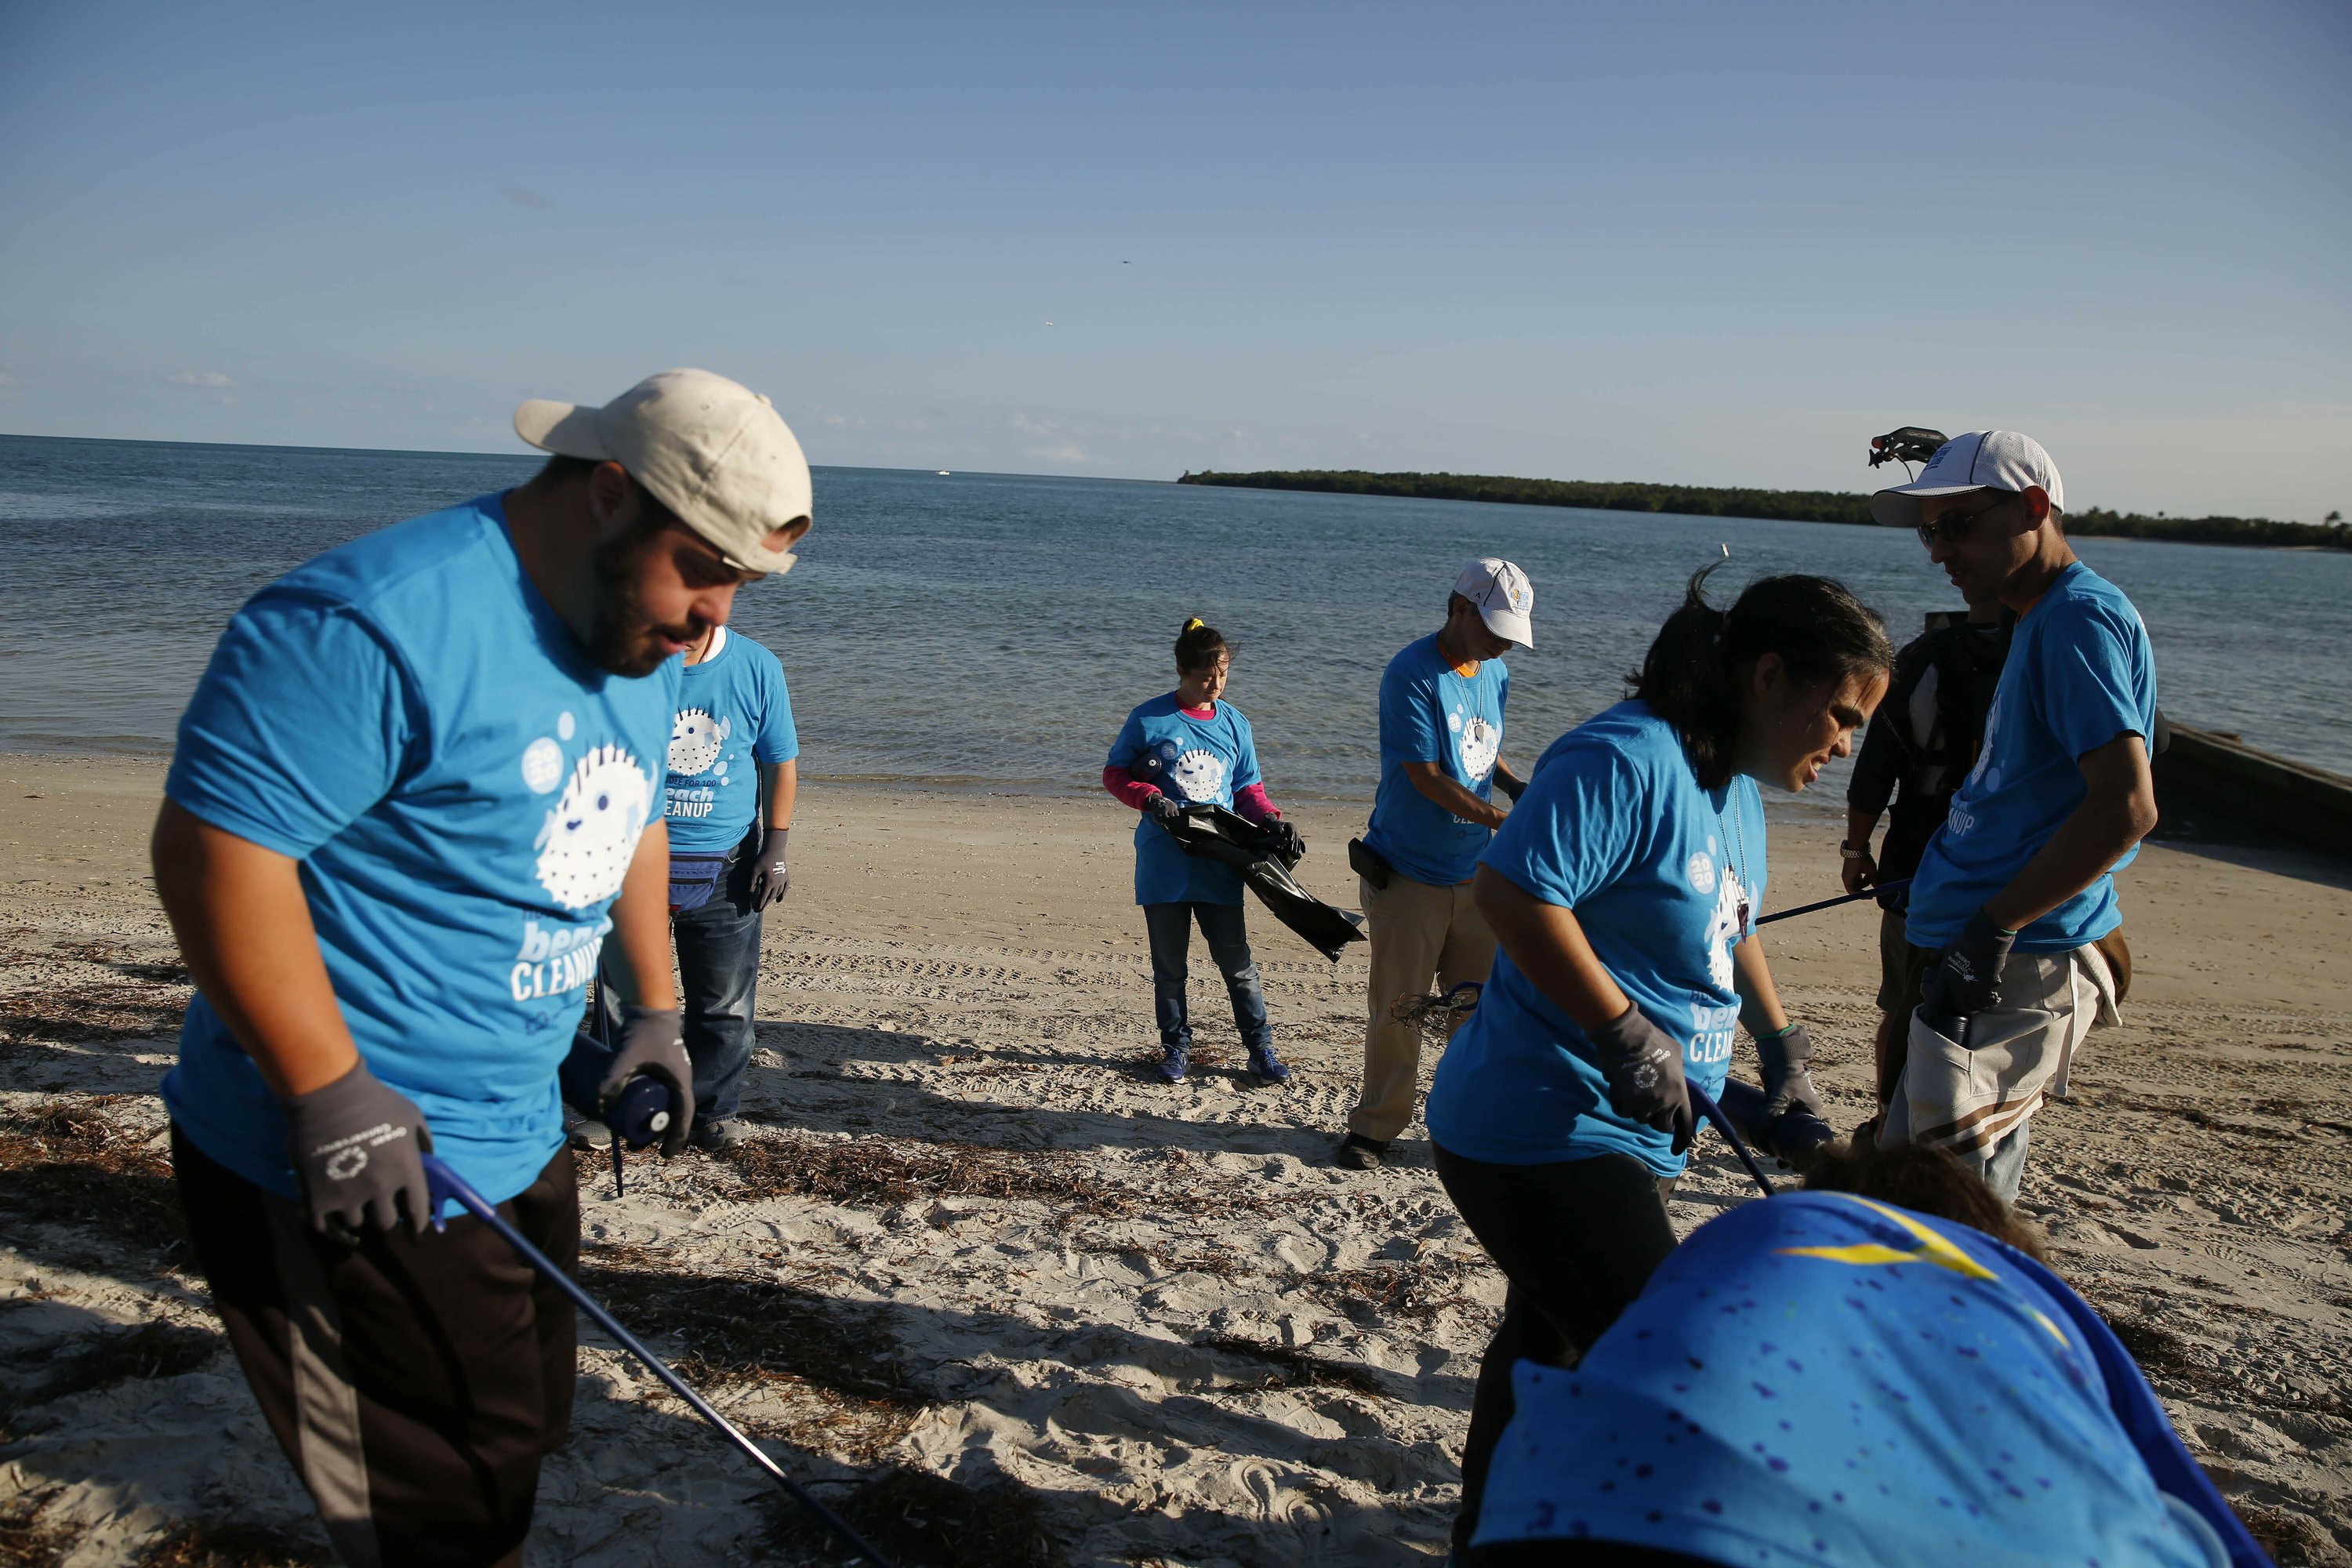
<point x="1358" y="1153"/>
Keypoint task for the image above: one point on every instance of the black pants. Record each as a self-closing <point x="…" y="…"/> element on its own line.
<point x="1577" y="1240"/>
<point x="415" y="1385"/>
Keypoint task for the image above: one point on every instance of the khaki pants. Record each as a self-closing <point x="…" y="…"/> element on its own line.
<point x="1417" y="931"/>
<point x="1974" y="1098"/>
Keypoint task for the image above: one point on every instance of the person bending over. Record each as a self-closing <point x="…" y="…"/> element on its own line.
<point x="734" y="775"/>
<point x="2013" y="920"/>
<point x="415" y="793"/>
<point x="1188" y="746"/>
<point x="1877" y="1370"/>
<point x="1624" y="889"/>
<point x="1921" y="742"/>
<point x="1441" y="702"/>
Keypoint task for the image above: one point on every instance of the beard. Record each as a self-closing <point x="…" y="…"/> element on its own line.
<point x="622" y="637"/>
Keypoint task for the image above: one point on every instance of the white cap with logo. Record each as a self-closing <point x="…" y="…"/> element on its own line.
<point x="712" y="450"/>
<point x="1979" y="461"/>
<point x="1503" y="596"/>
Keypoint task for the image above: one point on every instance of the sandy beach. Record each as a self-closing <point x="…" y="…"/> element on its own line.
<point x="1013" y="1303"/>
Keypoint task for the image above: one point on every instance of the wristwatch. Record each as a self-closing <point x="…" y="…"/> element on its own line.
<point x="1847" y="851"/>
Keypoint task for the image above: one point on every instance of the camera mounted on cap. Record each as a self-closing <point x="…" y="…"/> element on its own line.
<point x="1911" y="444"/>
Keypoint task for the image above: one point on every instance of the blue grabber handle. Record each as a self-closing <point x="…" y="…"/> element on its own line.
<point x="448" y="1184"/>
<point x="1705" y="1104"/>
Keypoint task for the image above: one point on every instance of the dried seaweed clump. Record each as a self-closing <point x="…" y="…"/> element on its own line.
<point x="149" y="1351"/>
<point x="207" y="1544"/>
<point x="79" y="1015"/>
<point x="1291" y="1368"/>
<point x="62" y="1162"/>
<point x="1419" y="1292"/>
<point x="869" y="1170"/>
<point x="730" y="1331"/>
<point x="921" y="1521"/>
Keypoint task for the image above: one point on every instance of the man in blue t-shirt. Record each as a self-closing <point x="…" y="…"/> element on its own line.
<point x="416" y="791"/>
<point x="1441" y="762"/>
<point x="2013" y="920"/>
<point x="732" y="780"/>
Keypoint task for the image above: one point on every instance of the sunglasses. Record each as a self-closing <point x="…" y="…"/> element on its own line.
<point x="1951" y="529"/>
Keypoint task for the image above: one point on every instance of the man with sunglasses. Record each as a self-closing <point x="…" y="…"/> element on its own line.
<point x="2013" y="921"/>
<point x="416" y="792"/>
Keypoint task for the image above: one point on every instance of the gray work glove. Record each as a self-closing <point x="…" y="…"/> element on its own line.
<point x="1645" y="1070"/>
<point x="1165" y="808"/>
<point x="1965" y="979"/>
<point x="356" y="1146"/>
<point x="770" y="879"/>
<point x="1288" y="844"/>
<point x="653" y="1043"/>
<point x="1788" y="1077"/>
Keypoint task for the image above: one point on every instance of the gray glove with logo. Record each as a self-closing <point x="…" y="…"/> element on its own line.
<point x="653" y="1043"/>
<point x="356" y="1146"/>
<point x="1788" y="1075"/>
<point x="1645" y="1070"/>
<point x="1165" y="808"/>
<point x="770" y="877"/>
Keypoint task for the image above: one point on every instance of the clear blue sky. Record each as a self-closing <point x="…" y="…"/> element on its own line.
<point x="1720" y="243"/>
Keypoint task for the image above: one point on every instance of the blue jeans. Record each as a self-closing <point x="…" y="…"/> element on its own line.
<point x="1169" y="927"/>
<point x="718" y="974"/>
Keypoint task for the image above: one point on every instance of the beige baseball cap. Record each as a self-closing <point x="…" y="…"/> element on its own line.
<point x="710" y="449"/>
<point x="1505" y="597"/>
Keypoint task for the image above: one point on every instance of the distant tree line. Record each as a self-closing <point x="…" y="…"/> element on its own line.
<point x="1787" y="506"/>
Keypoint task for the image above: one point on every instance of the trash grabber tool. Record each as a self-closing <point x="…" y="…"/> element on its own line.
<point x="1841" y="899"/>
<point x="1707" y="1107"/>
<point x="446" y="1184"/>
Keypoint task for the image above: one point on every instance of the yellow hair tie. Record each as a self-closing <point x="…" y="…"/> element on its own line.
<point x="1195" y="621"/>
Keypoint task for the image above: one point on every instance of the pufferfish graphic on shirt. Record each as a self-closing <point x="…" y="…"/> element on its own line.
<point x="696" y="740"/>
<point x="1198" y="773"/>
<point x="1478" y="743"/>
<point x="586" y="845"/>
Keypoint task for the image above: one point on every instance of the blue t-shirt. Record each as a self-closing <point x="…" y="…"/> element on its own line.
<point x="410" y="720"/>
<point x="1666" y="879"/>
<point x="1201" y="759"/>
<point x="733" y="713"/>
<point x="1821" y="1379"/>
<point x="2080" y="673"/>
<point x="1429" y="714"/>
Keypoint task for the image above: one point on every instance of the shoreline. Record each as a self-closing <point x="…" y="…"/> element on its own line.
<point x="978" y="1244"/>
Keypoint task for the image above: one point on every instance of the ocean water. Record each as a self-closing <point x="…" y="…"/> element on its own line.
<point x="994" y="629"/>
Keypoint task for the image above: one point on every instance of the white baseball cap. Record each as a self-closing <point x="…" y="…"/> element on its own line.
<point x="712" y="450"/>
<point x="1503" y="596"/>
<point x="1979" y="461"/>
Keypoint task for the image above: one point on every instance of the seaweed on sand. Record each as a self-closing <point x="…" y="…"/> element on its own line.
<point x="873" y="1172"/>
<point x="1291" y="1368"/>
<point x="732" y="1332"/>
<point x="148" y="1351"/>
<point x="921" y="1521"/>
<point x="202" y="1543"/>
<point x="79" y="1015"/>
<point x="63" y="1162"/>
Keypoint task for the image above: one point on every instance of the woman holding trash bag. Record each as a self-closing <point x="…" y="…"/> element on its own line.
<point x="1623" y="889"/>
<point x="1189" y="747"/>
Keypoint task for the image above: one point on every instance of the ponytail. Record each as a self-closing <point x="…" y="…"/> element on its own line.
<point x="1692" y="675"/>
<point x="1198" y="644"/>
